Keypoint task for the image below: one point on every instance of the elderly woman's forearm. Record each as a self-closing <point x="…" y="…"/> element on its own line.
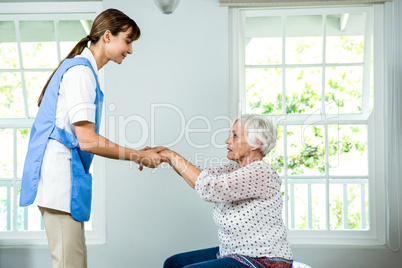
<point x="184" y="168"/>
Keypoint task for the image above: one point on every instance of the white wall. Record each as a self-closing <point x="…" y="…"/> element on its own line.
<point x="181" y="59"/>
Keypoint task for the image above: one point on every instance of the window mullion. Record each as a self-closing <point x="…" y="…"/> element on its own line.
<point x="367" y="63"/>
<point x="292" y="192"/>
<point x="309" y="207"/>
<point x="23" y="84"/>
<point x="323" y="115"/>
<point x="15" y="192"/>
<point x="242" y="107"/>
<point x="327" y="209"/>
<point x="292" y="206"/>
<point x="56" y="22"/>
<point x="285" y="150"/>
<point x="363" y="205"/>
<point x="300" y="65"/>
<point x="26" y="70"/>
<point x="15" y="158"/>
<point x="324" y="36"/>
<point x="345" y="206"/>
<point x="286" y="201"/>
<point x="283" y="65"/>
<point x="9" y="210"/>
<point x="285" y="172"/>
<point x="26" y="217"/>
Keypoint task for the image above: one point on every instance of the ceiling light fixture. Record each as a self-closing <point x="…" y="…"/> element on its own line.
<point x="167" y="6"/>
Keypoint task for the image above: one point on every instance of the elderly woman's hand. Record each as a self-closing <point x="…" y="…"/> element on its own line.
<point x="150" y="161"/>
<point x="166" y="155"/>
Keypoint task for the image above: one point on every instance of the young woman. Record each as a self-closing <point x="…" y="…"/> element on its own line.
<point x="248" y="202"/>
<point x="64" y="138"/>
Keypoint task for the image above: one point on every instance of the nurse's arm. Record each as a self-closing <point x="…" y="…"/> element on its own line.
<point x="93" y="143"/>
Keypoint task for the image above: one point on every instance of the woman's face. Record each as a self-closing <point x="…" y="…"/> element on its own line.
<point x="238" y="148"/>
<point x="119" y="46"/>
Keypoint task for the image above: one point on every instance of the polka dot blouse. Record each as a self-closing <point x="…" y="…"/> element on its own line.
<point x="248" y="209"/>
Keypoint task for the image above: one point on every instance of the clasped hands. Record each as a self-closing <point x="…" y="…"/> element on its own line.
<point x="152" y="157"/>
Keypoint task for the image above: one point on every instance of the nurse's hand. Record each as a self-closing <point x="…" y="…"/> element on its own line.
<point x="150" y="157"/>
<point x="141" y="166"/>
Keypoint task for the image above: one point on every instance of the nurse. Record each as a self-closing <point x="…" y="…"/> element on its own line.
<point x="65" y="136"/>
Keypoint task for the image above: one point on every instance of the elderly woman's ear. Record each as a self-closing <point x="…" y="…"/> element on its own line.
<point x="258" y="146"/>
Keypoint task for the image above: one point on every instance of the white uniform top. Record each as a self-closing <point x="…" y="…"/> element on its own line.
<point x="75" y="103"/>
<point x="248" y="209"/>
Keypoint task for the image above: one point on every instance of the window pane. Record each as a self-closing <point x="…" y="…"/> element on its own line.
<point x="348" y="150"/>
<point x="300" y="206"/>
<point x="28" y="218"/>
<point x="343" y="90"/>
<point x="7" y="153"/>
<point x="70" y="32"/>
<point x="38" y="44"/>
<point x="35" y="82"/>
<point x="6" y="205"/>
<point x="318" y="198"/>
<point x="306" y="150"/>
<point x="264" y="51"/>
<point x="345" y="38"/>
<point x="39" y="55"/>
<point x="303" y="39"/>
<point x="336" y="206"/>
<point x="22" y="147"/>
<point x="303" y="90"/>
<point x="276" y="156"/>
<point x="349" y="200"/>
<point x="264" y="91"/>
<point x="65" y="48"/>
<point x="263" y="40"/>
<point x="9" y="58"/>
<point x="89" y="225"/>
<point x="355" y="206"/>
<point x="11" y="97"/>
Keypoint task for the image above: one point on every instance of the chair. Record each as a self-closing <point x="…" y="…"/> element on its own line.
<point x="300" y="265"/>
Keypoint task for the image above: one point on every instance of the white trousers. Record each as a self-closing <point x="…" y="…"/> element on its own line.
<point x="66" y="239"/>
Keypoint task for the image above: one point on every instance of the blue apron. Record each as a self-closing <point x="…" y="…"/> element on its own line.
<point x="43" y="129"/>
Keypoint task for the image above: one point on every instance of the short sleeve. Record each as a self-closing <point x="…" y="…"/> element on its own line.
<point x="80" y="92"/>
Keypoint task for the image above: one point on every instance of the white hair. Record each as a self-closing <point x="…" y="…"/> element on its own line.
<point x="259" y="129"/>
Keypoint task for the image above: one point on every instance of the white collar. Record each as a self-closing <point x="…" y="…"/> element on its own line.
<point x="86" y="53"/>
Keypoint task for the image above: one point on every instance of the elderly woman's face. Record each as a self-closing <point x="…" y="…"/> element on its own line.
<point x="238" y="148"/>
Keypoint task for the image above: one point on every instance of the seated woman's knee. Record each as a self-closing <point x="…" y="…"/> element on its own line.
<point x="172" y="262"/>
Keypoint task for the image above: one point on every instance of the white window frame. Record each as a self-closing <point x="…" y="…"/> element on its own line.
<point x="55" y="11"/>
<point x="376" y="233"/>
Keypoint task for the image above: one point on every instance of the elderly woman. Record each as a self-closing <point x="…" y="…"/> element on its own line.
<point x="248" y="202"/>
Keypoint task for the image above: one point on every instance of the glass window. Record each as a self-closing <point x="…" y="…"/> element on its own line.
<point x="309" y="70"/>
